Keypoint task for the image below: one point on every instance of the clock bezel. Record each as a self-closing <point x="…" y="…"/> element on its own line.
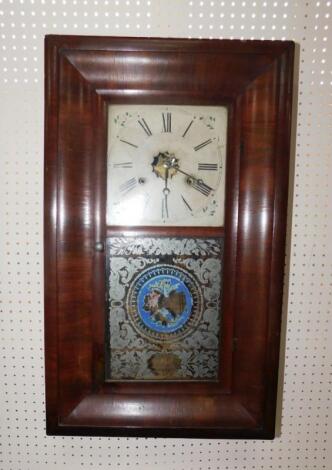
<point x="254" y="80"/>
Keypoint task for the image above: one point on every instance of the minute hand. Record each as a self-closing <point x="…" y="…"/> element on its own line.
<point x="196" y="183"/>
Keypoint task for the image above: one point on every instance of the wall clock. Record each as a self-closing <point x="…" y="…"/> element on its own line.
<point x="166" y="175"/>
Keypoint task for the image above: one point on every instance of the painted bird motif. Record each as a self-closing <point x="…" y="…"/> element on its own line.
<point x="165" y="309"/>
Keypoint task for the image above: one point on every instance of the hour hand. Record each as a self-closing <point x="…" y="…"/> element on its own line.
<point x="166" y="191"/>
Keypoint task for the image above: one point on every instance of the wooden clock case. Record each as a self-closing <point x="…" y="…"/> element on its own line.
<point x="254" y="80"/>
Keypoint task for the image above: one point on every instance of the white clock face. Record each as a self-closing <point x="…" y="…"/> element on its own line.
<point x="166" y="165"/>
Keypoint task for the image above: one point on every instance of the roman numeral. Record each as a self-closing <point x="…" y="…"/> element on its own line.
<point x="201" y="187"/>
<point x="128" y="185"/>
<point x="208" y="166"/>
<point x="167" y="122"/>
<point x="123" y="165"/>
<point x="145" y="127"/>
<point x="203" y="144"/>
<point x="128" y="143"/>
<point x="189" y="126"/>
<point x="186" y="203"/>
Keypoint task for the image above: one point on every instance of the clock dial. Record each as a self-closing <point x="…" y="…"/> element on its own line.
<point x="166" y="165"/>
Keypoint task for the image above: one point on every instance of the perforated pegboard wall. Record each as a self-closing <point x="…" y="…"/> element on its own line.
<point x="306" y="383"/>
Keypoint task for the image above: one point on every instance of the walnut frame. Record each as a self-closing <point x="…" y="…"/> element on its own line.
<point x="254" y="80"/>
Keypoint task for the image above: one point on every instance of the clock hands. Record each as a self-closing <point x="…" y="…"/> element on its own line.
<point x="166" y="192"/>
<point x="195" y="183"/>
<point x="165" y="165"/>
<point x="162" y="167"/>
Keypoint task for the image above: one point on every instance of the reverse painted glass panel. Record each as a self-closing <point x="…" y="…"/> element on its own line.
<point x="164" y="308"/>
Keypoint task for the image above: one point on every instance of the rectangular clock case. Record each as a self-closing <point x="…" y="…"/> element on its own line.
<point x="221" y="380"/>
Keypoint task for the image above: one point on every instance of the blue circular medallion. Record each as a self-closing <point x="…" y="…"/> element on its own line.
<point x="164" y="303"/>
